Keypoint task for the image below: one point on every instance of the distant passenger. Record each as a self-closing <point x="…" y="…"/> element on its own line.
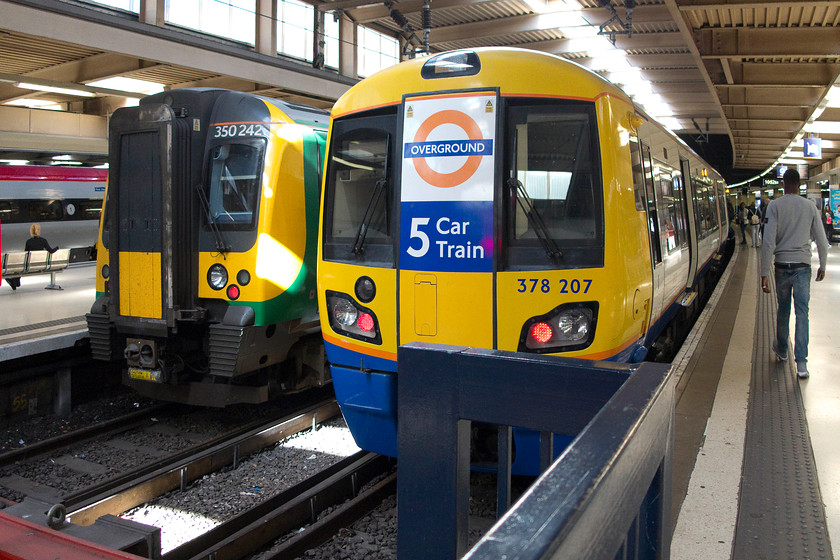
<point x="792" y="221"/>
<point x="755" y="223"/>
<point x="743" y="221"/>
<point x="34" y="243"/>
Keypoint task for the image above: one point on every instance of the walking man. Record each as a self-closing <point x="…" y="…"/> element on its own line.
<point x="792" y="221"/>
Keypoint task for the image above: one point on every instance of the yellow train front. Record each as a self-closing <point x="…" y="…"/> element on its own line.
<point x="502" y="199"/>
<point x="206" y="263"/>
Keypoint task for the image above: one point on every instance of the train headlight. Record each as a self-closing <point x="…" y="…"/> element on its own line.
<point x="570" y="326"/>
<point x="345" y="313"/>
<point x="574" y="324"/>
<point x="217" y="276"/>
<point x="349" y="318"/>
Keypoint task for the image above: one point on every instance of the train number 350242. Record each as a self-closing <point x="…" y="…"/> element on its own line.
<point x="232" y="130"/>
<point x="531" y="285"/>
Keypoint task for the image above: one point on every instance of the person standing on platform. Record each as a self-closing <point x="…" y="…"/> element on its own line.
<point x="743" y="220"/>
<point x="755" y="224"/>
<point x="792" y="221"/>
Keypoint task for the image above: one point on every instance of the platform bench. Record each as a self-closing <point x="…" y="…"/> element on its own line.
<point x="30" y="263"/>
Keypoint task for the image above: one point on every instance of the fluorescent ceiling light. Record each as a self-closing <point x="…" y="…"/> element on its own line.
<point x="539" y="6"/>
<point x="128" y="84"/>
<point x="833" y="97"/>
<point x="824" y="127"/>
<point x="14" y="161"/>
<point x="597" y="45"/>
<point x="66" y="91"/>
<point x="615" y="63"/>
<point x="578" y="31"/>
<point x="671" y="122"/>
<point x="32" y="103"/>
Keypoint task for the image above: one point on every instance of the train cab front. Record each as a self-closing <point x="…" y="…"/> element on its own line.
<point x="210" y="275"/>
<point x="478" y="211"/>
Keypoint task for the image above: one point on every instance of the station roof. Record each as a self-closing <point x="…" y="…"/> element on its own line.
<point x="757" y="75"/>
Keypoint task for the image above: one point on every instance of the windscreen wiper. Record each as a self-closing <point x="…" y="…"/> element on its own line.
<point x="221" y="245"/>
<point x="378" y="189"/>
<point x="552" y="251"/>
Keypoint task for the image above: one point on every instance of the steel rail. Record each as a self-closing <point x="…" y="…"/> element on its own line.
<point x="108" y="427"/>
<point x="289" y="511"/>
<point x="129" y="490"/>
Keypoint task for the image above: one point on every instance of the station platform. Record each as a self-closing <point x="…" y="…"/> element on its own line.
<point x="34" y="320"/>
<point x="755" y="473"/>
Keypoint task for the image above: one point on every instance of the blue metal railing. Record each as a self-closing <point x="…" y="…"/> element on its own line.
<point x="607" y="496"/>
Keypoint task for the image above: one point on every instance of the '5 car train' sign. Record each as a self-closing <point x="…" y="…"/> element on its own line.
<point x="447" y="182"/>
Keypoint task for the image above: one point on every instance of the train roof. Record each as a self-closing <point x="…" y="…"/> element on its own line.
<point x="52" y="173"/>
<point x="514" y="71"/>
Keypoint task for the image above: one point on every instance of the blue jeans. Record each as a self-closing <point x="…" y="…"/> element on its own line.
<point x="795" y="282"/>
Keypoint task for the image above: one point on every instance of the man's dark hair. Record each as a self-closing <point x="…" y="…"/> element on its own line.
<point x="791" y="177"/>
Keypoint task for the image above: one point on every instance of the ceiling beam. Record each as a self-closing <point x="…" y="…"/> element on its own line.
<point x="817" y="42"/>
<point x="652" y="15"/>
<point x="692" y="5"/>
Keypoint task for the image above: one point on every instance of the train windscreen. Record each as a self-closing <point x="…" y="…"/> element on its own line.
<point x="554" y="200"/>
<point x="235" y="181"/>
<point x="359" y="196"/>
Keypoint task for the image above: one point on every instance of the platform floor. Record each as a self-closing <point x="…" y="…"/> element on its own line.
<point x="765" y="482"/>
<point x="34" y="320"/>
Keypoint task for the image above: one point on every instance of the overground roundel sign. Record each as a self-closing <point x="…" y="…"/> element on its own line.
<point x="474" y="147"/>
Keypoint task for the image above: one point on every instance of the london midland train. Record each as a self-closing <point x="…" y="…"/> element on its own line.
<point x="504" y="199"/>
<point x="206" y="263"/>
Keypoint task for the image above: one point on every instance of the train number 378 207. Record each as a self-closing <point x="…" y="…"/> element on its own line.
<point x="531" y="285"/>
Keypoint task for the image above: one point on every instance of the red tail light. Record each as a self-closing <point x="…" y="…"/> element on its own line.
<point x="365" y="322"/>
<point x="542" y="332"/>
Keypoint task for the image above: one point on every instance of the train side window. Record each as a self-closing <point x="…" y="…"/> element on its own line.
<point x="359" y="199"/>
<point x="679" y="209"/>
<point x="669" y="221"/>
<point x="554" y="197"/>
<point x="650" y="196"/>
<point x="235" y="183"/>
<point x="10" y="212"/>
<point x="638" y="173"/>
<point x="703" y="192"/>
<point x="45" y="210"/>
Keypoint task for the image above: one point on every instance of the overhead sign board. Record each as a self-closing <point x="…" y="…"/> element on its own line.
<point x="812" y="148"/>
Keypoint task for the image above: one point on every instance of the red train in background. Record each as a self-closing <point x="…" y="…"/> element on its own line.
<point x="66" y="201"/>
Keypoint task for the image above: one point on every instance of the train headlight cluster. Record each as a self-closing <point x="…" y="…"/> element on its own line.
<point x="217" y="276"/>
<point x="570" y="326"/>
<point x="351" y="319"/>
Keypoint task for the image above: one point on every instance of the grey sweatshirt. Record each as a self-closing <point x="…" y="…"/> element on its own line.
<point x="792" y="221"/>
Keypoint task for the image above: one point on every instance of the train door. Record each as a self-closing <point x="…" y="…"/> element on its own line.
<point x="147" y="142"/>
<point x="694" y="237"/>
<point x="658" y="267"/>
<point x="446" y="258"/>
